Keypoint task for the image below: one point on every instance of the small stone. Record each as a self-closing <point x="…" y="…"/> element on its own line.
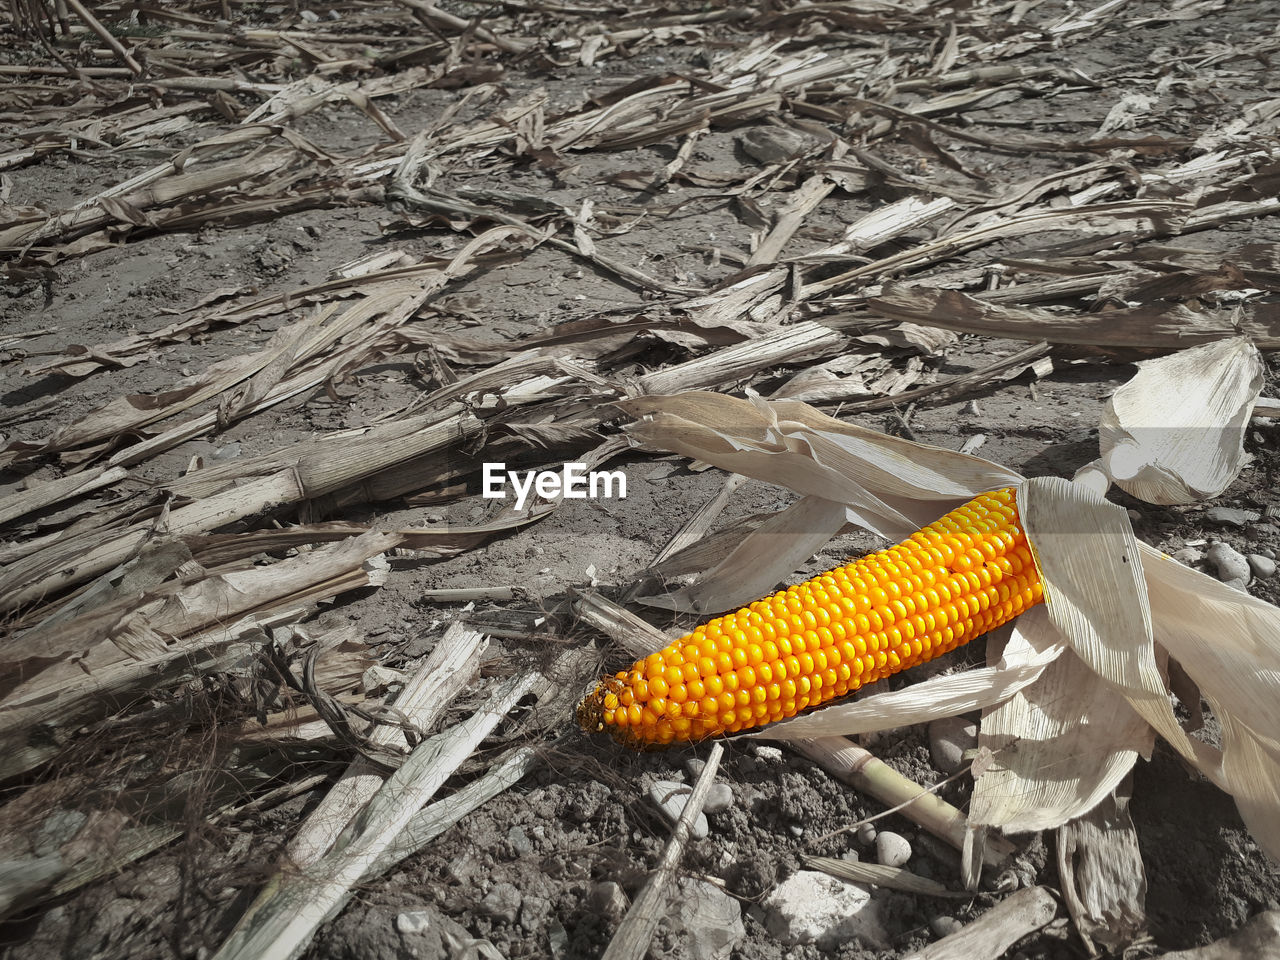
<point x="670" y="798"/>
<point x="867" y="834"/>
<point x="945" y="926"/>
<point x="772" y="144"/>
<point x="607" y="899"/>
<point x="428" y="933"/>
<point x="1237" y="583"/>
<point x="719" y="799"/>
<point x="1188" y="555"/>
<point x="1229" y="562"/>
<point x="413" y="922"/>
<point x="1231" y="516"/>
<point x="1261" y="566"/>
<point x="1262" y="531"/>
<point x="1134" y="515"/>
<point x="949" y="738"/>
<point x="533" y="911"/>
<point x="813" y="907"/>
<point x="971" y="408"/>
<point x="1267" y="552"/>
<point x="769" y="754"/>
<point x="520" y="842"/>
<point x="502" y="902"/>
<point x="708" y="921"/>
<point x="796" y="831"/>
<point x="892" y="849"/>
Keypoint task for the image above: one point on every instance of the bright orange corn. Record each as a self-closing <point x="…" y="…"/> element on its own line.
<point x="956" y="579"/>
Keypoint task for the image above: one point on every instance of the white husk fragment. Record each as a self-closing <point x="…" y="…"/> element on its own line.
<point x="1175" y="432"/>
<point x="1091" y="567"/>
<point x="1059" y="746"/>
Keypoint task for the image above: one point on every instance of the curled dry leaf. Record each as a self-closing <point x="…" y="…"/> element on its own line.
<point x="1175" y="432"/>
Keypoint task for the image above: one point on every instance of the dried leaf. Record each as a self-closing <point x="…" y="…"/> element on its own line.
<point x="1174" y="433"/>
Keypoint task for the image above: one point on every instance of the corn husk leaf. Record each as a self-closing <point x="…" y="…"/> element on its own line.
<point x="1062" y="744"/>
<point x="1096" y="586"/>
<point x="1092" y="570"/>
<point x="750" y="570"/>
<point x="1058" y="747"/>
<point x="1175" y="432"/>
<point x="1103" y="879"/>
<point x="888" y="485"/>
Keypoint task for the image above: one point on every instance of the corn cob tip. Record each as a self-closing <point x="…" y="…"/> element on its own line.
<point x="590" y="711"/>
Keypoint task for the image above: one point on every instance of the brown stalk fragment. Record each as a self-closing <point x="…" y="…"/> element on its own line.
<point x="988" y="937"/>
<point x="1158" y="326"/>
<point x="1104" y="882"/>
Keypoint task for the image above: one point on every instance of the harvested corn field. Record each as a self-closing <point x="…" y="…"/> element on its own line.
<point x="378" y="377"/>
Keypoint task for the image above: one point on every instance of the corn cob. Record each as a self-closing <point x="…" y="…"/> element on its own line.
<point x="958" y="578"/>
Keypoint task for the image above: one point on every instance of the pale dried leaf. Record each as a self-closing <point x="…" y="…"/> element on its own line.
<point x="1175" y="432"/>
<point x="1058" y="746"/>
<point x="764" y="557"/>
<point x="1092" y="570"/>
<point x="1103" y="879"/>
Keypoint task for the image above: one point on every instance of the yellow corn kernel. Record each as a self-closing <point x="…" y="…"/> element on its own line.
<point x="963" y="575"/>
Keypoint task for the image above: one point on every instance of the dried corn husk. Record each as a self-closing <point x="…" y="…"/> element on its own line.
<point x="1193" y="447"/>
